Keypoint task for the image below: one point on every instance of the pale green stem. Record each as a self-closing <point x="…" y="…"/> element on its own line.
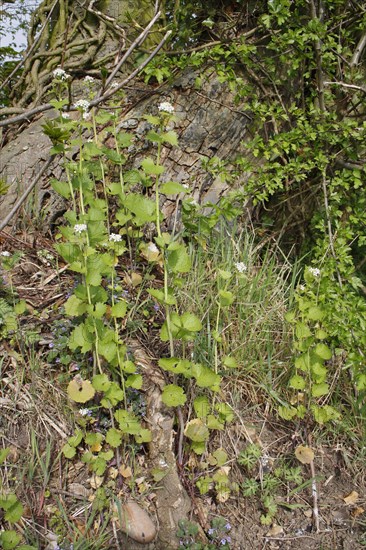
<point x="117" y="338"/>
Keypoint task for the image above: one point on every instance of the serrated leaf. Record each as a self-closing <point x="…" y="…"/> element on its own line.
<point x="74" y="306"/>
<point x="323" y="351"/>
<point x="9" y="539"/>
<point x="170" y="137"/>
<point x="196" y="430"/>
<point x="144" y="436"/>
<point x="62" y="188"/>
<point x="13" y="508"/>
<point x="214" y="423"/>
<point x="302" y="331"/>
<point x="315" y="313"/>
<point x="119" y="309"/>
<point x="226" y="298"/>
<point x="178" y="259"/>
<point x="220" y="455"/>
<point x="172" y="188"/>
<point x="114" y="437"/>
<point x="205" y="377"/>
<point x="80" y="390"/>
<point x="230" y="362"/>
<point x="173" y="396"/>
<point x="152" y="169"/>
<point x="190" y="322"/>
<point x="68" y="451"/>
<point x="134" y="381"/>
<point x="81" y="338"/>
<point x="101" y="382"/>
<point x="297" y="382"/>
<point x="317" y="390"/>
<point x="93" y="438"/>
<point x="201" y="406"/>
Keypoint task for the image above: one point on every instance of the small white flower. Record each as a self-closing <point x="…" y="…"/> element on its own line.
<point x="166" y="107"/>
<point x="153" y="248"/>
<point x="65" y="115"/>
<point x="86" y="116"/>
<point x="115" y="238"/>
<point x="314" y="271"/>
<point x="80" y="227"/>
<point x="5" y="253"/>
<point x="89" y="79"/>
<point x="241" y="267"/>
<point x="115" y="84"/>
<point x="60" y="74"/>
<point x="82" y="104"/>
<point x="85" y="412"/>
<point x="185" y="185"/>
<point x="302" y="287"/>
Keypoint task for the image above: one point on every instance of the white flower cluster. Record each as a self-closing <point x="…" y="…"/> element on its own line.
<point x="166" y="107"/>
<point x="241" y="267"/>
<point x="115" y="238"/>
<point x="60" y="74"/>
<point x="115" y="84"/>
<point x="82" y="104"/>
<point x="80" y="227"/>
<point x="5" y="253"/>
<point x="89" y="79"/>
<point x="314" y="271"/>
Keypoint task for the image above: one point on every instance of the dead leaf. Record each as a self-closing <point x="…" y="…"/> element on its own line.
<point x="126" y="471"/>
<point x="275" y="530"/>
<point x="357" y="512"/>
<point x="305" y="455"/>
<point x="96" y="481"/>
<point x="352" y="498"/>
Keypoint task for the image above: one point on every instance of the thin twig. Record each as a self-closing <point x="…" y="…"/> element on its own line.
<point x="21" y="200"/>
<point x="314" y="491"/>
<point x="133" y="46"/>
<point x="181" y="435"/>
<point x="344" y="85"/>
<point x="359" y="49"/>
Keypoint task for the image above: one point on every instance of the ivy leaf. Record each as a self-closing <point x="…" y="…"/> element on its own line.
<point x="173" y="396"/>
<point x="114" y="437"/>
<point x="80" y="390"/>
